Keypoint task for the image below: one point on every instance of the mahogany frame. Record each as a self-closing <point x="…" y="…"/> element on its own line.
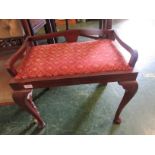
<point x="22" y="89"/>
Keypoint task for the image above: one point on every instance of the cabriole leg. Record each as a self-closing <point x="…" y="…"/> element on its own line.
<point x="130" y="90"/>
<point x="24" y="99"/>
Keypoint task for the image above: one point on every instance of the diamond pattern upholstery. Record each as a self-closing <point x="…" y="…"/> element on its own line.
<point x="72" y="59"/>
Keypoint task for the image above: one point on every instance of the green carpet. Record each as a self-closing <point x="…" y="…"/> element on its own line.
<point x="66" y="110"/>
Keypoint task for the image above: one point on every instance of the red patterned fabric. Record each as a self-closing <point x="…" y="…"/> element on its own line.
<point x="72" y="59"/>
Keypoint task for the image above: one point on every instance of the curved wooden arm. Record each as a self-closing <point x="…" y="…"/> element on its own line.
<point x="134" y="53"/>
<point x="12" y="60"/>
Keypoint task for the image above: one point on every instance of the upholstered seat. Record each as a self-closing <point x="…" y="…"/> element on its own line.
<point x="71" y="59"/>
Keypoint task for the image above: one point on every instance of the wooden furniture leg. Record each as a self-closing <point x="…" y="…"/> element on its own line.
<point x="67" y="24"/>
<point x="102" y="23"/>
<point x="54" y="29"/>
<point x="48" y="29"/>
<point x="24" y="99"/>
<point x="130" y="90"/>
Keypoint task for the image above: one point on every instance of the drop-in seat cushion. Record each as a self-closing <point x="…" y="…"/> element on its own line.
<point x="64" y="59"/>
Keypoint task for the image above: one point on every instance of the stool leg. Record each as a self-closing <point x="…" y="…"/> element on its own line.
<point x="130" y="90"/>
<point x="24" y="99"/>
